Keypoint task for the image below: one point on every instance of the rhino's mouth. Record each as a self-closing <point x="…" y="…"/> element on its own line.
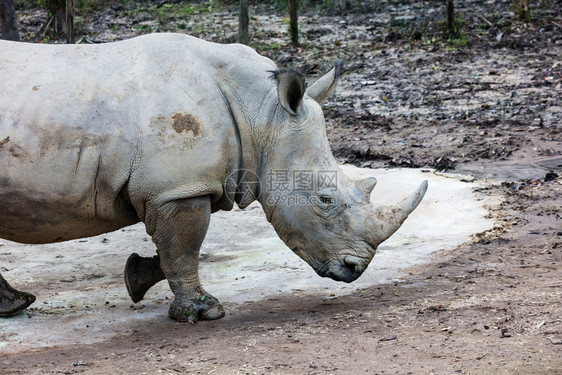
<point x="347" y="271"/>
<point x="346" y="274"/>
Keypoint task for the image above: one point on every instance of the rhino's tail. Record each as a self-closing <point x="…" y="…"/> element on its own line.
<point x="13" y="301"/>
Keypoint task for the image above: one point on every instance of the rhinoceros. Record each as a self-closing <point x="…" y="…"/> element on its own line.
<point x="166" y="129"/>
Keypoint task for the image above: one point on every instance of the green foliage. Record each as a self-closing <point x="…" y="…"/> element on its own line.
<point x="457" y="37"/>
<point x="163" y="11"/>
<point x="81" y="6"/>
<point x="52" y="5"/>
<point x="281" y="4"/>
<point x="284" y="4"/>
<point x="273" y="50"/>
<point x="521" y="10"/>
<point x="410" y="30"/>
<point x="459" y="41"/>
<point x="88" y="6"/>
<point x="168" y="13"/>
<point x="325" y="5"/>
<point x="171" y="12"/>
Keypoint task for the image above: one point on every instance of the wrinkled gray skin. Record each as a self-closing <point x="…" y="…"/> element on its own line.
<point x="94" y="138"/>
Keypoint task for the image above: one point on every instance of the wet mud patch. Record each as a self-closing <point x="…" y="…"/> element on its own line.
<point x="82" y="299"/>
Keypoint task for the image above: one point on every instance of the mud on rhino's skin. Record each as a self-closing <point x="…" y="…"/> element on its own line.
<point x="157" y="124"/>
<point x="184" y="122"/>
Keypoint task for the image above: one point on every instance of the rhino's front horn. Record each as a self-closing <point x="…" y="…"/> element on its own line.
<point x="387" y="219"/>
<point x="409" y="204"/>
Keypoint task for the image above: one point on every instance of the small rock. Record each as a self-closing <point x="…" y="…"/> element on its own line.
<point x="390" y="338"/>
<point x="512" y="186"/>
<point x="505" y="333"/>
<point x="550" y="176"/>
<point x="556" y="341"/>
<point x="444" y="163"/>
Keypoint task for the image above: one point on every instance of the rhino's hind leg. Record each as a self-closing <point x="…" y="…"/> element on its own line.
<point x="178" y="230"/>
<point x="13" y="301"/>
<point x="141" y="274"/>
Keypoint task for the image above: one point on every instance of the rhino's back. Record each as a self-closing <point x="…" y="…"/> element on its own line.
<point x="89" y="133"/>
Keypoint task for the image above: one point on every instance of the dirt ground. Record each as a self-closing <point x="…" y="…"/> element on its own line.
<point x="488" y="105"/>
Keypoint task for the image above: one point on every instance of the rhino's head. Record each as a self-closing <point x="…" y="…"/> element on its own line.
<point x="322" y="215"/>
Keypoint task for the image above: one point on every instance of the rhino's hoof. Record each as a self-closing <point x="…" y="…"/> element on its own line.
<point x="190" y="311"/>
<point x="13" y="301"/>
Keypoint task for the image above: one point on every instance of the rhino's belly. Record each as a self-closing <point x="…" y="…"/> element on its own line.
<point x="30" y="216"/>
<point x="62" y="192"/>
<point x="34" y="225"/>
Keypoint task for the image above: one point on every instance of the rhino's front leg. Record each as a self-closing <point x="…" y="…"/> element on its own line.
<point x="179" y="229"/>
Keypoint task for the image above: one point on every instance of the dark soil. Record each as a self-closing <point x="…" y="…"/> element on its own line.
<point x="487" y="104"/>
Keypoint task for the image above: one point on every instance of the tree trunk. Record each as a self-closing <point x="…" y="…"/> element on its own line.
<point x="451" y="19"/>
<point x="8" y="26"/>
<point x="70" y="31"/>
<point x="58" y="12"/>
<point x="243" y="22"/>
<point x="523" y="11"/>
<point x="293" y="23"/>
<point x="61" y="18"/>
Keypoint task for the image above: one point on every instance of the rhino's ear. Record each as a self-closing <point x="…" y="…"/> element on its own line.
<point x="326" y="85"/>
<point x="290" y="88"/>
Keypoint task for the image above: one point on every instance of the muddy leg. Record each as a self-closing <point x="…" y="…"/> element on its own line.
<point x="178" y="229"/>
<point x="13" y="301"/>
<point x="141" y="274"/>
